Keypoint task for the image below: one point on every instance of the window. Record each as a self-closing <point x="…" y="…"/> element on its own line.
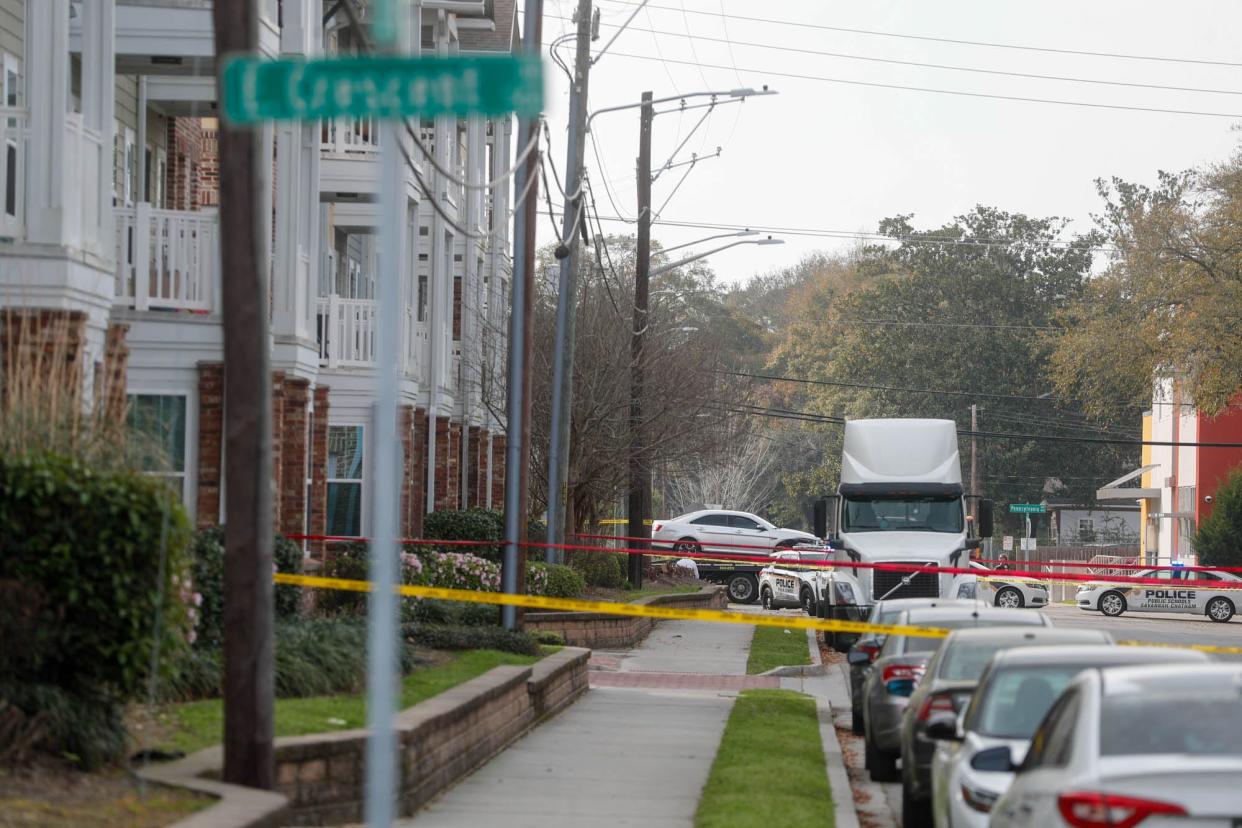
<point x="422" y="297"/>
<point x="1053" y="743"/>
<point x="911" y="514"/>
<point x="158" y="423"/>
<point x="8" y="98"/>
<point x="131" y="166"/>
<point x="344" y="477"/>
<point x="711" y="520"/>
<point x="739" y="522"/>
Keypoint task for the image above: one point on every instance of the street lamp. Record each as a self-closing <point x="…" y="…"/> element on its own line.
<point x="674" y="265"/>
<point x="746" y="232"/>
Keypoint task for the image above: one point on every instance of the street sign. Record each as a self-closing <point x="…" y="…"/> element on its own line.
<point x="1029" y="544"/>
<point x="1027" y="508"/>
<point x="1007" y="543"/>
<point x="294" y="89"/>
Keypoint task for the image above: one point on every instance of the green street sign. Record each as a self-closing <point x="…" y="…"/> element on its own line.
<point x="294" y="89"/>
<point x="1027" y="508"/>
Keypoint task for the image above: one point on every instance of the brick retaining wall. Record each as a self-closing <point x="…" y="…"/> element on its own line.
<point x="600" y="631"/>
<point x="440" y="740"/>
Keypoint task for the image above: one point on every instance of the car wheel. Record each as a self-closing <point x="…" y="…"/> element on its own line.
<point x="882" y="766"/>
<point x="1220" y="609"/>
<point x="766" y="598"/>
<point x="1010" y="597"/>
<point x="1112" y="604"/>
<point x="808" y="602"/>
<point x="858" y="725"/>
<point x="742" y="589"/>
<point x="686" y="546"/>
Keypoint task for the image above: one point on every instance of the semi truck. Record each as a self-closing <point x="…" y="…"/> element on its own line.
<point x="900" y="500"/>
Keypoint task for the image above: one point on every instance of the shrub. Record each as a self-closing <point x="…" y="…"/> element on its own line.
<point x="465" y="525"/>
<point x="460" y="613"/>
<point x="207" y="574"/>
<point x="351" y="562"/>
<point x="550" y="638"/>
<point x="1218" y="540"/>
<point x="87" y="730"/>
<point x="450" y="570"/>
<point x="448" y="637"/>
<point x="600" y="569"/>
<point x="557" y="581"/>
<point x="83" y="546"/>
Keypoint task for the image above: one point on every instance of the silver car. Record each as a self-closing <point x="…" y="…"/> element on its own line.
<point x="891" y="680"/>
<point x="1016" y="690"/>
<point x="950" y="680"/>
<point x="1127" y="746"/>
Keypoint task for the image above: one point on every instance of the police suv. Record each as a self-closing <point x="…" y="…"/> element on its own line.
<point x="792" y="579"/>
<point x="1184" y="591"/>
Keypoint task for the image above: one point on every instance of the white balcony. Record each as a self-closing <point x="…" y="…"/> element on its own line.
<point x="167" y="259"/>
<point x="346" y="329"/>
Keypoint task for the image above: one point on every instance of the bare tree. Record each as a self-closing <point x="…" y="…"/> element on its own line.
<point x="743" y="476"/>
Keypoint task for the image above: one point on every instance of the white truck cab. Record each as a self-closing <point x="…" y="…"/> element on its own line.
<point x="900" y="500"/>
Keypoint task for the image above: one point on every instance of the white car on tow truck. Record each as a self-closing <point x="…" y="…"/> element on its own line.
<point x="1184" y="591"/>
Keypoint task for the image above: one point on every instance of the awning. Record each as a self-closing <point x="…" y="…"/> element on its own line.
<point x="1116" y="491"/>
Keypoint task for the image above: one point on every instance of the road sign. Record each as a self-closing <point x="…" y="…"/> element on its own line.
<point x="1027" y="508"/>
<point x="1007" y="543"/>
<point x="383" y="86"/>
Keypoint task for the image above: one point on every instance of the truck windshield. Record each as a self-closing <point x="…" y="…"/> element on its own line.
<point x="908" y="514"/>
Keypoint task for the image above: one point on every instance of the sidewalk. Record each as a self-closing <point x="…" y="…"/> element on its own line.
<point x="634" y="755"/>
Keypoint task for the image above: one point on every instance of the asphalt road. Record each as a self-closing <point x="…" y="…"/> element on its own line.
<point x="1158" y="628"/>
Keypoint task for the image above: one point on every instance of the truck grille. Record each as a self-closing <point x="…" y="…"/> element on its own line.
<point x="924" y="584"/>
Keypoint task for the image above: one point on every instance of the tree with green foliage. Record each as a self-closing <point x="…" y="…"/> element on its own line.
<point x="1218" y="540"/>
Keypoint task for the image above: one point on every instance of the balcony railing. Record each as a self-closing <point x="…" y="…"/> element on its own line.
<point x="14" y="136"/>
<point x="415" y="343"/>
<point x="167" y="259"/>
<point x="351" y="135"/>
<point x="346" y="331"/>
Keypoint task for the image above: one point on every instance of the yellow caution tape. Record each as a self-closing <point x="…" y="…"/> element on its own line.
<point x="617" y="608"/>
<point x="670" y="613"/>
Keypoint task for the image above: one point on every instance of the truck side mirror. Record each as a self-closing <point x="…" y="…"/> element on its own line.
<point x="985" y="518"/>
<point x="825" y="517"/>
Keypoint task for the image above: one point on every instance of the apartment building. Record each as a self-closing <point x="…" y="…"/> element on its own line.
<point x="109" y="241"/>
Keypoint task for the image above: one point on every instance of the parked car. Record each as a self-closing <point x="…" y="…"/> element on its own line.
<point x="890" y="681"/>
<point x="792" y="579"/>
<point x="998" y="590"/>
<point x="1130" y="746"/>
<point x="1014" y="693"/>
<point x="715" y="530"/>
<point x="1200" y="598"/>
<point x="948" y="682"/>
<point x="867" y="647"/>
<point x="734" y="533"/>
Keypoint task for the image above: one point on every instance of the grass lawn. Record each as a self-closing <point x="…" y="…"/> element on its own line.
<point x="198" y="724"/>
<point x="769" y="768"/>
<point x="777" y="647"/>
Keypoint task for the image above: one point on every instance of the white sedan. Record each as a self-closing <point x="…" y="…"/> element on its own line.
<point x="998" y="590"/>
<point x="1176" y="595"/>
<point x="720" y="530"/>
<point x="1126" y="746"/>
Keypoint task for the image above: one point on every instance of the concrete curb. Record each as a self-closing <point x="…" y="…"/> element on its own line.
<point x="843" y="812"/>
<point x="235" y="807"/>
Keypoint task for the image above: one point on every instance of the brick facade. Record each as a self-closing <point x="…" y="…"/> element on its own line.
<point x="185" y="152"/>
<point x="419" y="470"/>
<point x="319" y="470"/>
<point x="443" y="450"/>
<point x="453" y="481"/>
<point x="472" y="466"/>
<point x="409" y="466"/>
<point x="210" y="442"/>
<point x="278" y="442"/>
<point x="42" y="344"/>
<point x="291" y="494"/>
<point x="498" y="471"/>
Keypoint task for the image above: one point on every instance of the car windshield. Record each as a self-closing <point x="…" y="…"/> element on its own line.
<point x="965" y="661"/>
<point x="1205" y="723"/>
<point x="910" y="514"/>
<point x="1017" y="699"/>
<point x="921" y="644"/>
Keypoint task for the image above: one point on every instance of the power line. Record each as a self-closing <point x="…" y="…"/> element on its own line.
<point x="859" y="235"/>
<point x="933" y="90"/>
<point x="874" y="387"/>
<point x="923" y="65"/>
<point x="873" y="33"/>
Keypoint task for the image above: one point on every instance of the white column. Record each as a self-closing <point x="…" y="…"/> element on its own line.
<point x="98" y="108"/>
<point x="289" y="279"/>
<point x="47" y="92"/>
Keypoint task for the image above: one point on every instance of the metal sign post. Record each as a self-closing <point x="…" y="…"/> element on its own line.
<point x="392" y="87"/>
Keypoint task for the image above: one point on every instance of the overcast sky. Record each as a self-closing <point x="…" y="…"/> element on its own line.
<point x="840" y="157"/>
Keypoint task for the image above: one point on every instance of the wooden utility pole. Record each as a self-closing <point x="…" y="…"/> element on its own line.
<point x="974" y="454"/>
<point x="640" y="463"/>
<point x="245" y="238"/>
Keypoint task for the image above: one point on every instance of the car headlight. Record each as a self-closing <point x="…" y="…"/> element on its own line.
<point x="978" y="799"/>
<point x="1036" y="585"/>
<point x="845" y="593"/>
<point x="967" y="590"/>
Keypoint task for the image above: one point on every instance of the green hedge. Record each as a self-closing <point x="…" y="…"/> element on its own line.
<point x="558" y="581"/>
<point x="82" y="582"/>
<point x="465" y="525"/>
<point x="445" y="637"/>
<point x="600" y="569"/>
<point x="207" y="574"/>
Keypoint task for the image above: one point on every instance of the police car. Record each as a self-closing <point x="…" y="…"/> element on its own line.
<point x="1184" y="591"/>
<point x="998" y="590"/>
<point x="792" y="579"/>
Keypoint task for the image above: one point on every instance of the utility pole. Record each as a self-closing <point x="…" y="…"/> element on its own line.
<point x="245" y="237"/>
<point x="974" y="453"/>
<point x="640" y="463"/>
<point x="517" y="404"/>
<point x="566" y="304"/>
